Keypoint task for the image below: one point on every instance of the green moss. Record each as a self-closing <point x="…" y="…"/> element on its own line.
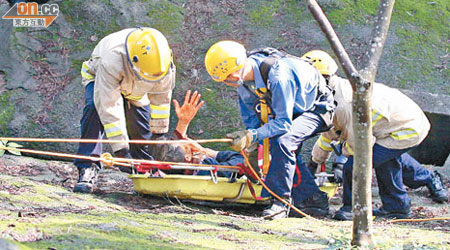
<point x="75" y="14"/>
<point x="421" y="36"/>
<point x="295" y="12"/>
<point x="222" y="24"/>
<point x="262" y="12"/>
<point x="423" y="31"/>
<point x="76" y="63"/>
<point x="6" y="111"/>
<point x="65" y="220"/>
<point x="344" y="11"/>
<point x="166" y="16"/>
<point x="221" y="111"/>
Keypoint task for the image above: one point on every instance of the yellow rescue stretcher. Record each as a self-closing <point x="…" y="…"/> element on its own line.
<point x="213" y="188"/>
<point x="205" y="188"/>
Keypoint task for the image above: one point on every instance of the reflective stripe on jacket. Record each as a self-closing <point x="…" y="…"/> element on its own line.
<point x="115" y="80"/>
<point x="398" y="122"/>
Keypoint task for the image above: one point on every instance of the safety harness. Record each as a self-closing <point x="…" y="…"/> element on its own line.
<point x="264" y="95"/>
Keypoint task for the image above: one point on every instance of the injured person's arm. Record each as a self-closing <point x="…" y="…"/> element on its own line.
<point x="187" y="111"/>
<point x="185" y="115"/>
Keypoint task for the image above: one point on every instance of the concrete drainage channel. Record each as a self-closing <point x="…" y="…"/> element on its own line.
<point x="435" y="149"/>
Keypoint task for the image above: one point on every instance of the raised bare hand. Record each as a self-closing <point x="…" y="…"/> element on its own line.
<point x="190" y="107"/>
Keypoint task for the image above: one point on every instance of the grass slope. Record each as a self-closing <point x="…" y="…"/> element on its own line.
<point x="44" y="216"/>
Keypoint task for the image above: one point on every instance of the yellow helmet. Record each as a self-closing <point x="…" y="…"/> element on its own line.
<point x="322" y="61"/>
<point x="148" y="53"/>
<point x="224" y="58"/>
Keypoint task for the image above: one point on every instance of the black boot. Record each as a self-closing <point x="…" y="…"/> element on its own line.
<point x="398" y="214"/>
<point x="277" y="210"/>
<point x="316" y="205"/>
<point x="344" y="213"/>
<point x="438" y="192"/>
<point x="87" y="179"/>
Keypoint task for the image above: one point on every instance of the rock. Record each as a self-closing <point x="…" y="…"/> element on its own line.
<point x="28" y="41"/>
<point x="46" y="106"/>
<point x="10" y="245"/>
<point x="435" y="149"/>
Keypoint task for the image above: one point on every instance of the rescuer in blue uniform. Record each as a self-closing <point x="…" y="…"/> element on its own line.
<point x="301" y="106"/>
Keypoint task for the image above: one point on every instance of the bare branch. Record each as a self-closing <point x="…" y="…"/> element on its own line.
<point x="361" y="115"/>
<point x="333" y="39"/>
<point x="379" y="34"/>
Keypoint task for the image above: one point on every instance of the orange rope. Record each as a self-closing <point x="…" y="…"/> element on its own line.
<point x="108" y="160"/>
<point x="305" y="215"/>
<point x="270" y="191"/>
<point x="113" y="141"/>
<point x="116" y="161"/>
<point x="171" y="163"/>
<point x="91" y="158"/>
<point x="418" y="220"/>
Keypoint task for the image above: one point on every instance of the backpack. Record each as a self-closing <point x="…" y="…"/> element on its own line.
<point x="273" y="56"/>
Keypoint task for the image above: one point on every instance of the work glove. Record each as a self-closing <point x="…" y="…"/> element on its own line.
<point x="124" y="153"/>
<point x="338" y="170"/>
<point x="242" y="139"/>
<point x="312" y="166"/>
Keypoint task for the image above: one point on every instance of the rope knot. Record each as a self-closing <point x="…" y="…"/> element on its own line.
<point x="107" y="159"/>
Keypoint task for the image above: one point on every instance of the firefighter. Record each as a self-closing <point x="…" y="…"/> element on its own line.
<point x="398" y="125"/>
<point x="301" y="106"/>
<point x="128" y="87"/>
<point x="414" y="176"/>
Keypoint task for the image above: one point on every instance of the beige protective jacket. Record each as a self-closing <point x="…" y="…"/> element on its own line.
<point x="398" y="122"/>
<point x="115" y="80"/>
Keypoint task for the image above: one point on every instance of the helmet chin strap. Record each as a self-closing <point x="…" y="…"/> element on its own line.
<point x="140" y="78"/>
<point x="238" y="82"/>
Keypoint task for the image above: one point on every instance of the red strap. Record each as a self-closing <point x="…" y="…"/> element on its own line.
<point x="252" y="191"/>
<point x="178" y="135"/>
<point x="322" y="167"/>
<point x="148" y="167"/>
<point x="188" y="172"/>
<point x="260" y="156"/>
<point x="299" y="177"/>
<point x="246" y="170"/>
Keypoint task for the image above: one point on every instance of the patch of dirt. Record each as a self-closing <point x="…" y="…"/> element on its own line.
<point x="2" y="82"/>
<point x="15" y="189"/>
<point x="33" y="234"/>
<point x="51" y="81"/>
<point x="230" y="225"/>
<point x="118" y="189"/>
<point x="229" y="237"/>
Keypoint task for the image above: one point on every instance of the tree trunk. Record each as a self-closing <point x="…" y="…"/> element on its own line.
<point x="362" y="165"/>
<point x="362" y="102"/>
<point x="362" y="122"/>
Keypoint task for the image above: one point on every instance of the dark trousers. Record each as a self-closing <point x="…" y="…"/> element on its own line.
<point x="414" y="174"/>
<point x="284" y="151"/>
<point x="388" y="164"/>
<point x="229" y="158"/>
<point x="91" y="128"/>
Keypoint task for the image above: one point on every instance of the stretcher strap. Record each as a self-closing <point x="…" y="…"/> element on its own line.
<point x="245" y="170"/>
<point x="247" y="162"/>
<point x="252" y="191"/>
<point x="148" y="167"/>
<point x="299" y="177"/>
